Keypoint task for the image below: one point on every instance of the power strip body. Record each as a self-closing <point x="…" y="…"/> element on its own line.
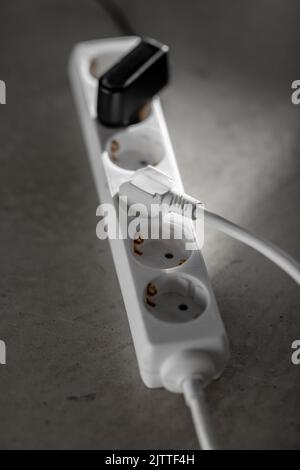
<point x="156" y="335"/>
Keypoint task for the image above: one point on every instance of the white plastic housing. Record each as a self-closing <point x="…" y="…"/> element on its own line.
<point x="186" y="316"/>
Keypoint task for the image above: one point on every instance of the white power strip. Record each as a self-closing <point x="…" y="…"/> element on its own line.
<point x="181" y="283"/>
<point x="186" y="320"/>
<point x="178" y="334"/>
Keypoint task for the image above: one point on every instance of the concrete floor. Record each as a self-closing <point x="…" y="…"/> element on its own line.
<point x="71" y="378"/>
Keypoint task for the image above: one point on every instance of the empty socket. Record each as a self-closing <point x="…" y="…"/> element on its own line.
<point x="175" y="299"/>
<point x="160" y="253"/>
<point x="135" y="148"/>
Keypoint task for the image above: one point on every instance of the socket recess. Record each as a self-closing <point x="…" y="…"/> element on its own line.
<point x="162" y="252"/>
<point x="135" y="148"/>
<point x="175" y="298"/>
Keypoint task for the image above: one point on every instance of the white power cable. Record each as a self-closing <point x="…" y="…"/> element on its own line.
<point x="188" y="372"/>
<point x="265" y="247"/>
<point x="192" y="389"/>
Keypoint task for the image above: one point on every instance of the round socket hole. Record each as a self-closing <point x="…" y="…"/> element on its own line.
<point x="183" y="307"/>
<point x="161" y="254"/>
<point x="175" y="299"/>
<point x="136" y="148"/>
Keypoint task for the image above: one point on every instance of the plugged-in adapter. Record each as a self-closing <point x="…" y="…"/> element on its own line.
<point x="125" y="90"/>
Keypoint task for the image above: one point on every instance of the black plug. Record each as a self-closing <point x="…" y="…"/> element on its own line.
<point x="126" y="89"/>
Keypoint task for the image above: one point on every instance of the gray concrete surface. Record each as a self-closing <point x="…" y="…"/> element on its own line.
<point x="71" y="378"/>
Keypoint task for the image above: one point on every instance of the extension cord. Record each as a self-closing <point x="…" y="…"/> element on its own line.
<point x="179" y="337"/>
<point x="171" y="345"/>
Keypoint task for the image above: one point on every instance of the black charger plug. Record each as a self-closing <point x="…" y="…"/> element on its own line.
<point x="126" y="89"/>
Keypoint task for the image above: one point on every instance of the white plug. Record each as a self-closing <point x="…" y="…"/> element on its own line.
<point x="150" y="186"/>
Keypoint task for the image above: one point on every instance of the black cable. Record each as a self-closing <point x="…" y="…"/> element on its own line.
<point x="118" y="17"/>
